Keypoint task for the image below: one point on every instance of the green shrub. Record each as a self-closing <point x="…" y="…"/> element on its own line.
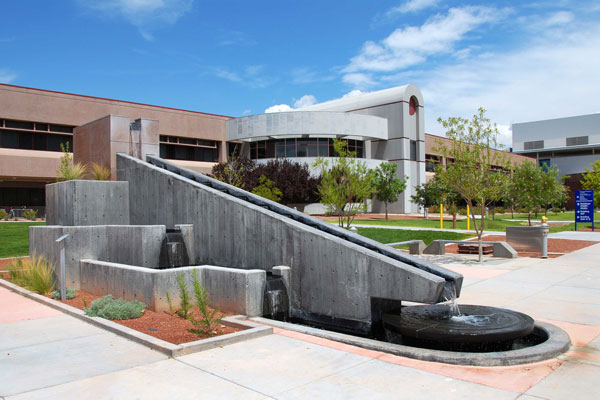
<point x="3" y="214"/>
<point x="67" y="170"/>
<point x="34" y="273"/>
<point x="112" y="309"/>
<point x="184" y="296"/>
<point x="267" y="189"/>
<point x="434" y="209"/>
<point x="209" y="322"/>
<point x="30" y="214"/>
<point x="500" y="210"/>
<point x="71" y="294"/>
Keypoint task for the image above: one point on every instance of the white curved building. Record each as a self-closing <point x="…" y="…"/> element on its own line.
<point x="380" y="126"/>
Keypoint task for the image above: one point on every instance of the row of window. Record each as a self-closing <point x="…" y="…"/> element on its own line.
<point x="19" y="197"/>
<point x="571" y="141"/>
<point x="35" y="126"/>
<point x="188" y="141"/>
<point x="190" y="153"/>
<point x="34" y="141"/>
<point x="318" y="147"/>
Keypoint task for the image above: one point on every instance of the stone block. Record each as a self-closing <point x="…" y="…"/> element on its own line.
<point x="437" y="247"/>
<point x="416" y="247"/>
<point x="503" y="249"/>
<point x="81" y="202"/>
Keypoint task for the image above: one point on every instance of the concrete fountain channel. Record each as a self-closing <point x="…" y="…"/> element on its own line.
<point x="134" y="236"/>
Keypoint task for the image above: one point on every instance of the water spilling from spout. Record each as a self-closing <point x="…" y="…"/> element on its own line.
<point x="276" y="304"/>
<point x="449" y="295"/>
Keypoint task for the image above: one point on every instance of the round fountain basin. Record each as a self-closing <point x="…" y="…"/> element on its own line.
<point x="479" y="328"/>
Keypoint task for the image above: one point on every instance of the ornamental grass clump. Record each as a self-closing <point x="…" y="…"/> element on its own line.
<point x="100" y="172"/>
<point x="34" y="273"/>
<point x="119" y="309"/>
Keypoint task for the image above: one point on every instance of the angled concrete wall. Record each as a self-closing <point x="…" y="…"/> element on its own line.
<point x="134" y="245"/>
<point x="331" y="277"/>
<point x="231" y="290"/>
<point x="80" y="202"/>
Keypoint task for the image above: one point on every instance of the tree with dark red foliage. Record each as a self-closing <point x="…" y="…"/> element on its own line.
<point x="292" y="178"/>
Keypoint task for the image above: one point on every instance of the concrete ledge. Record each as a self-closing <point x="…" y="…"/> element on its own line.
<point x="232" y="290"/>
<point x="558" y="342"/>
<point x="501" y="249"/>
<point x="251" y="331"/>
<point x="414" y="246"/>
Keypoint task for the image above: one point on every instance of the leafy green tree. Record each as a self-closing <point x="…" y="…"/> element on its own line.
<point x="345" y="185"/>
<point x="473" y="172"/>
<point x="591" y="181"/>
<point x="267" y="189"/>
<point x="234" y="171"/>
<point x="434" y="193"/>
<point x="387" y="185"/>
<point x="533" y="187"/>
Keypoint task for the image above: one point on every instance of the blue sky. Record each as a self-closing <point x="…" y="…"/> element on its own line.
<point x="520" y="60"/>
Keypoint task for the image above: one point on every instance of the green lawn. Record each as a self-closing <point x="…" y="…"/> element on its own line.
<point x="14" y="238"/>
<point x="498" y="224"/>
<point x="399" y="235"/>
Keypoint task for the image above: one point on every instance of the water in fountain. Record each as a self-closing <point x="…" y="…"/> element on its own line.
<point x="276" y="304"/>
<point x="173" y="252"/>
<point x="450" y="296"/>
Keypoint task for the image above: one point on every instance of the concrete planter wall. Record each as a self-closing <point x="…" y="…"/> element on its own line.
<point x="231" y="290"/>
<point x="75" y="203"/>
<point x="525" y="238"/>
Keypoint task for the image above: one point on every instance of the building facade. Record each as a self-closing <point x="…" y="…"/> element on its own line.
<point x="570" y="144"/>
<point x="34" y="123"/>
<point x="382" y="126"/>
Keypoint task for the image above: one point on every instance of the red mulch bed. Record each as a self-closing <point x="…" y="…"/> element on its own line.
<point x="556" y="247"/>
<point x="169" y="327"/>
<point x="162" y="325"/>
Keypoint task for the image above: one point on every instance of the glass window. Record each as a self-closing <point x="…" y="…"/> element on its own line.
<point x="39" y="142"/>
<point x="187" y="141"/>
<point x="290" y="147"/>
<point x="324" y="147"/>
<point x="270" y="149"/>
<point x="10" y="139"/>
<point x="41" y="127"/>
<point x="25" y="141"/>
<point x="261" y="150"/>
<point x="280" y="148"/>
<point x="18" y="124"/>
<point x="413" y="150"/>
<point x="302" y="147"/>
<point x="313" y="149"/>
<point x="61" y="128"/>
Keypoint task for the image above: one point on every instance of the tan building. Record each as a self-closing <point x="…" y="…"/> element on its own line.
<point x="34" y="123"/>
<point x="433" y="158"/>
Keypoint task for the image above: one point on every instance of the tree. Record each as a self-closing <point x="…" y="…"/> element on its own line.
<point x="473" y="172"/>
<point x="292" y="178"/>
<point x="267" y="189"/>
<point x="387" y="185"/>
<point x="345" y="185"/>
<point x="533" y="187"/>
<point x="591" y="181"/>
<point x="434" y="193"/>
<point x="234" y="171"/>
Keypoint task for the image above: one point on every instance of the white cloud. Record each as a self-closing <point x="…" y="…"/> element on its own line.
<point x="412" y="45"/>
<point x="279" y="108"/>
<point x="146" y="15"/>
<point x="305" y="101"/>
<point x="353" y="93"/>
<point x="559" y="18"/>
<point x="412" y="6"/>
<point x="358" y="80"/>
<point x="555" y="76"/>
<point x="7" y="76"/>
<point x="247" y="112"/>
<point x="234" y="38"/>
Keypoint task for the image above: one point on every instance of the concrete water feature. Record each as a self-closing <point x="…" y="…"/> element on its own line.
<point x="332" y="278"/>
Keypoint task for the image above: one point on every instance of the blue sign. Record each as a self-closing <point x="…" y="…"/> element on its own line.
<point x="584" y="207"/>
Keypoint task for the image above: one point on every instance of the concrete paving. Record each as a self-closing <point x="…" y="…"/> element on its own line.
<point x="45" y="354"/>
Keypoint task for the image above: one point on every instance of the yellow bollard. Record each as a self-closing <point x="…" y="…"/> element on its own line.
<point x="468" y="218"/>
<point x="441" y="216"/>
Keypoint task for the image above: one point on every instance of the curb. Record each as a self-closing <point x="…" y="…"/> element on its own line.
<point x="251" y="330"/>
<point x="558" y="342"/>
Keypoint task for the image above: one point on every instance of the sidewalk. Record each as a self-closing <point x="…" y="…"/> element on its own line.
<point x="47" y="355"/>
